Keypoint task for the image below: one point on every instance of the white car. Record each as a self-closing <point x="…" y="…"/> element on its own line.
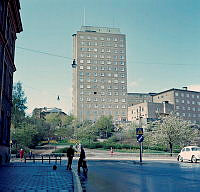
<point x="189" y="153"/>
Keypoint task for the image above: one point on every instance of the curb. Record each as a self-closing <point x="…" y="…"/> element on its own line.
<point x="76" y="181"/>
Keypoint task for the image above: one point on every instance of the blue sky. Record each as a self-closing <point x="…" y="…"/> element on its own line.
<point x="163" y="44"/>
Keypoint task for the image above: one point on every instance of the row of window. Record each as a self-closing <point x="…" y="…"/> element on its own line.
<point x="188" y="95"/>
<point x="187" y="108"/>
<point x="88" y="74"/>
<point x="101" y="80"/>
<point x="116" y="87"/>
<point x="116" y="100"/>
<point x="105" y="106"/>
<point x="102" y="68"/>
<point x="102" y="56"/>
<point x="187" y="114"/>
<point x="188" y="102"/>
<point x="115" y="93"/>
<point x="115" y="39"/>
<point x="102" y="62"/>
<point x="107" y="44"/>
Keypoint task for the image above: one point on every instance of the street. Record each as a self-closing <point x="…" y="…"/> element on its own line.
<point x="125" y="176"/>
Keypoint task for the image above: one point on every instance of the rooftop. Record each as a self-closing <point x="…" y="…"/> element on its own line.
<point x="100" y="29"/>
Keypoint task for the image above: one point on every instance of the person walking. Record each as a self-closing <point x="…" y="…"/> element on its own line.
<point x="82" y="161"/>
<point x="30" y="154"/>
<point x="70" y="155"/>
<point x="21" y="154"/>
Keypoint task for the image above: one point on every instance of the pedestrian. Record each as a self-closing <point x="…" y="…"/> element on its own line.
<point x="82" y="161"/>
<point x="70" y="155"/>
<point x="30" y="154"/>
<point x="21" y="154"/>
<point x="111" y="151"/>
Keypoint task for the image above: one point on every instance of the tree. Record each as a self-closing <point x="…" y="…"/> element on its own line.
<point x="19" y="100"/>
<point x="104" y="126"/>
<point x="173" y="130"/>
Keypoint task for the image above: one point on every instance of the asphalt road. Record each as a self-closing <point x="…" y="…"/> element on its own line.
<point x="130" y="176"/>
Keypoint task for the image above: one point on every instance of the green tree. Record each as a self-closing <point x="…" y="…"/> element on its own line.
<point x="19" y="100"/>
<point x="104" y="126"/>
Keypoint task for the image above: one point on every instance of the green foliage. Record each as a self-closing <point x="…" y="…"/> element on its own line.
<point x="104" y="126"/>
<point x="19" y="100"/>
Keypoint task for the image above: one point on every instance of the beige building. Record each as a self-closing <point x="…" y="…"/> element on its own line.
<point x="148" y="111"/>
<point x="186" y="103"/>
<point x="136" y="98"/>
<point x="100" y="77"/>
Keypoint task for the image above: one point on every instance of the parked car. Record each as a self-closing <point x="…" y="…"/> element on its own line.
<point x="189" y="153"/>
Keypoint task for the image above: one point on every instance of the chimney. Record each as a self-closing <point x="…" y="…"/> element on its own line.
<point x="185" y="88"/>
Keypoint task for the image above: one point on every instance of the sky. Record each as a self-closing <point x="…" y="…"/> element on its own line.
<point x="162" y="37"/>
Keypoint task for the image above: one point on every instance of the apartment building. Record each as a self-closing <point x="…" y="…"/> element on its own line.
<point x="10" y="24"/>
<point x="186" y="103"/>
<point x="149" y="111"/>
<point x="136" y="98"/>
<point x="100" y="76"/>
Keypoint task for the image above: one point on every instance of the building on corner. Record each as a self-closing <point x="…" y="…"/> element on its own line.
<point x="10" y="24"/>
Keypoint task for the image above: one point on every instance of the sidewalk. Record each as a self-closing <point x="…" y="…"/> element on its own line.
<point x="30" y="177"/>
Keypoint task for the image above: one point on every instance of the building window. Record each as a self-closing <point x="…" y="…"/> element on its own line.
<point x="95" y="74"/>
<point x="109" y="93"/>
<point x="197" y="96"/>
<point x="88" y="99"/>
<point x="108" y="62"/>
<point x="109" y="81"/>
<point x="89" y="67"/>
<point x="182" y="94"/>
<point x="193" y="96"/>
<point x="116" y="100"/>
<point x="81" y="86"/>
<point x="116" y="93"/>
<point x="88" y="61"/>
<point x="102" y="62"/>
<point x="187" y="95"/>
<point x="81" y="98"/>
<point x="81" y="67"/>
<point x="193" y="102"/>
<point x="122" y="75"/>
<point x="115" y="81"/>
<point x="176" y="94"/>
<point x="102" y="74"/>
<point x="115" y="75"/>
<point x="102" y="87"/>
<point x="88" y="86"/>
<point x="188" y="102"/>
<point x="121" y="57"/>
<point x="182" y="101"/>
<point x="102" y="93"/>
<point x="188" y="108"/>
<point x="81" y="80"/>
<point x="109" y="74"/>
<point x="95" y="99"/>
<point x="81" y="61"/>
<point x="177" y="107"/>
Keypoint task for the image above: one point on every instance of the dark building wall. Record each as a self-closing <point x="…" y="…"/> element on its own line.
<point x="10" y="24"/>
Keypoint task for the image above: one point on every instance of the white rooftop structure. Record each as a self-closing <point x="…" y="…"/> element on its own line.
<point x="100" y="29"/>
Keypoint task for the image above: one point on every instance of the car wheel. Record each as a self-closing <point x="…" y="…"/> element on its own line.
<point x="193" y="159"/>
<point x="180" y="158"/>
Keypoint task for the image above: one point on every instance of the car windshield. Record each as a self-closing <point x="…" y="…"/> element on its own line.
<point x="196" y="149"/>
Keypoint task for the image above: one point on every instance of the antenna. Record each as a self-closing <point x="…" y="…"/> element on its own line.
<point x="84" y="16"/>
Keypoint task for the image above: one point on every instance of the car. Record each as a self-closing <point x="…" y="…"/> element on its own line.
<point x="189" y="153"/>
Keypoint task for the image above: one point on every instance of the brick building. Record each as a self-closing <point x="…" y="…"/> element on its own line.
<point x="10" y="24"/>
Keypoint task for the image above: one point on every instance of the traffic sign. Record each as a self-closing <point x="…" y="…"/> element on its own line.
<point x="140" y="138"/>
<point x="139" y="131"/>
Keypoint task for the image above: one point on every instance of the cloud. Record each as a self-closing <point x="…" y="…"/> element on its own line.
<point x="134" y="84"/>
<point x="194" y="88"/>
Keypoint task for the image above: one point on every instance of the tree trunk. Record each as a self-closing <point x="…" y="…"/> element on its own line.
<point x="170" y="146"/>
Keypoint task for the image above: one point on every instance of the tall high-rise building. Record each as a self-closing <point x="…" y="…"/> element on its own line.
<point x="100" y="76"/>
